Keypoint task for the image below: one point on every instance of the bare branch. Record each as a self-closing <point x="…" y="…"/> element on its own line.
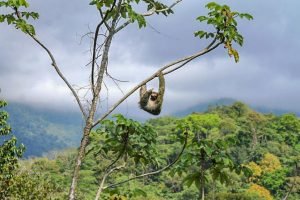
<point x="57" y="69"/>
<point x="104" y="178"/>
<point x="95" y="45"/>
<point x="105" y="23"/>
<point x="176" y="68"/>
<point x="115" y="79"/>
<point x="154" y="172"/>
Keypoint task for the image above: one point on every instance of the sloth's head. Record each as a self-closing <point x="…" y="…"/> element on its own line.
<point x="153" y="96"/>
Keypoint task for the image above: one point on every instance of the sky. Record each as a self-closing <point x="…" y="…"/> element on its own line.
<point x="267" y="75"/>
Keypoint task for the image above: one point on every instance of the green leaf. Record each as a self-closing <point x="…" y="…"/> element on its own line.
<point x="202" y="18"/>
<point x="246" y="15"/>
<point x="2" y="18"/>
<point x="200" y="34"/>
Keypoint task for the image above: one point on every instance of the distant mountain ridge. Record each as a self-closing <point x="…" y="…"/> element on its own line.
<point x="42" y="130"/>
<point x="202" y="107"/>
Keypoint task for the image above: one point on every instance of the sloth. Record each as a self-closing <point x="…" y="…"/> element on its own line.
<point x="151" y="101"/>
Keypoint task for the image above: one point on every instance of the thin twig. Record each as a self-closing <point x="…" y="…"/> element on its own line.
<point x="115" y="79"/>
<point x="151" y="12"/>
<point x="104" y="179"/>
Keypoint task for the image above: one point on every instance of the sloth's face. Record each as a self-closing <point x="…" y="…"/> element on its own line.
<point x="153" y="96"/>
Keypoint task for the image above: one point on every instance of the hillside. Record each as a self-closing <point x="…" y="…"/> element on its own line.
<point x="268" y="145"/>
<point x="204" y="106"/>
<point x="43" y="130"/>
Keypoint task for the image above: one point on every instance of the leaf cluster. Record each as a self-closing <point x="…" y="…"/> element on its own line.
<point x="129" y="138"/>
<point x="17" y="18"/>
<point x="225" y="25"/>
<point x="127" y="9"/>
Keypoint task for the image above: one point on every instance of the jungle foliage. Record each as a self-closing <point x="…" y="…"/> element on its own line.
<point x="231" y="152"/>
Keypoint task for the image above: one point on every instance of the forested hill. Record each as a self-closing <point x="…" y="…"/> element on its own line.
<point x="221" y="142"/>
<point x="42" y="130"/>
<point x="204" y="106"/>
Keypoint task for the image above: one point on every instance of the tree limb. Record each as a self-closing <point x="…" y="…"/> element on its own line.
<point x="104" y="179"/>
<point x="57" y="69"/>
<point x="185" y="60"/>
<point x="151" y="12"/>
<point x="92" y="110"/>
<point x="161" y="10"/>
<point x="95" y="45"/>
<point x="109" y="170"/>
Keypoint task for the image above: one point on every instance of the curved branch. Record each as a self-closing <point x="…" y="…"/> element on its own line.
<point x="56" y="67"/>
<point x="104" y="179"/>
<point x="109" y="170"/>
<point x="185" y="60"/>
<point x="154" y="172"/>
<point x="174" y="69"/>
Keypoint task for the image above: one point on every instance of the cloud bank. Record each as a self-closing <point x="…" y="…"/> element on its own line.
<point x="267" y="74"/>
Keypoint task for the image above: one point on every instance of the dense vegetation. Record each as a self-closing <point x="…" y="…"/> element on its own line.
<point x="232" y="152"/>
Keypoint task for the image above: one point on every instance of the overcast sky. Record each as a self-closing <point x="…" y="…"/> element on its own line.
<point x="268" y="73"/>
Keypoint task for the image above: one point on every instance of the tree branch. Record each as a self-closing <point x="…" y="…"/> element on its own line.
<point x="154" y="172"/>
<point x="57" y="69"/>
<point x="105" y="23"/>
<point x="108" y="171"/>
<point x="176" y="68"/>
<point x="95" y="45"/>
<point x="185" y="60"/>
<point x="161" y="10"/>
<point x="151" y="12"/>
<point x="104" y="179"/>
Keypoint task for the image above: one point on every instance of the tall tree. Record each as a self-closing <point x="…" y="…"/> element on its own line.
<point x="205" y="154"/>
<point x="115" y="15"/>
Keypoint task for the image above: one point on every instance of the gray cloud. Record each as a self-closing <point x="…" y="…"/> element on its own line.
<point x="267" y="74"/>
